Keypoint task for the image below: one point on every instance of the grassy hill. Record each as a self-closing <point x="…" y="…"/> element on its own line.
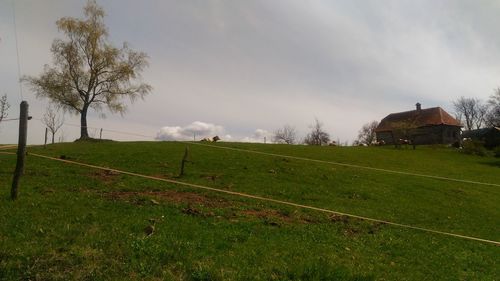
<point x="78" y="223"/>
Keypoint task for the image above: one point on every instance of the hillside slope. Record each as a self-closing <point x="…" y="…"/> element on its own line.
<point x="87" y="223"/>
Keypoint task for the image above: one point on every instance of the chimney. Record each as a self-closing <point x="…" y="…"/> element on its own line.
<point x="419" y="106"/>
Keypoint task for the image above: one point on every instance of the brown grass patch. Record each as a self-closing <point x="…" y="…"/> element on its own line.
<point x="267" y="214"/>
<point x="105" y="176"/>
<point x="172" y="196"/>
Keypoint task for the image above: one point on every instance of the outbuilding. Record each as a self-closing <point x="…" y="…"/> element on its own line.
<point x="490" y="136"/>
<point x="420" y="126"/>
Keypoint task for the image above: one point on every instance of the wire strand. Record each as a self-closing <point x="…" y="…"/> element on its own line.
<point x="346" y="164"/>
<point x="11" y="119"/>
<point x="17" y="52"/>
<point x="257" y="197"/>
<point x="103" y="129"/>
<point x="305" y="159"/>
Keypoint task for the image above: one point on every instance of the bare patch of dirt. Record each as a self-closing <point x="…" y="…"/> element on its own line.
<point x="268" y="215"/>
<point x="276" y="218"/>
<point x="351" y="231"/>
<point x="339" y="218"/>
<point x="192" y="211"/>
<point x="352" y="228"/>
<point x="169" y="196"/>
<point x="211" y="177"/>
<point x="375" y="227"/>
<point x="197" y="205"/>
<point x="164" y="176"/>
<point x="105" y="176"/>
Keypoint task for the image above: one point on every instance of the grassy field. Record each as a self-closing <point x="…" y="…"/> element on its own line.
<point x="77" y="223"/>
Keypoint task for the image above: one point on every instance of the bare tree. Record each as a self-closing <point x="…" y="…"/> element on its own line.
<point x="88" y="71"/>
<point x="317" y="136"/>
<point x="4" y="107"/>
<point x="482" y="113"/>
<point x="471" y="111"/>
<point x="493" y="115"/>
<point x="287" y="135"/>
<point x="53" y="120"/>
<point x="366" y="134"/>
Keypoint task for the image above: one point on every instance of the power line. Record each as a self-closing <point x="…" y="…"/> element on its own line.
<point x="12" y="119"/>
<point x="17" y="52"/>
<point x="104" y="130"/>
<point x="109" y="130"/>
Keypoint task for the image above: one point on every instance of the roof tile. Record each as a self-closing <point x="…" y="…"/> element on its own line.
<point x="418" y="118"/>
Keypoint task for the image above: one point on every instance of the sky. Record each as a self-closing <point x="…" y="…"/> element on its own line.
<point x="242" y="69"/>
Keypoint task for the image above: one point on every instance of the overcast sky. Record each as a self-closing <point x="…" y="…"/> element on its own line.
<point x="241" y="68"/>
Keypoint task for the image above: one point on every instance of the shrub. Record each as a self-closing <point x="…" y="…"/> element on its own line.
<point x="474" y="147"/>
<point x="496" y="151"/>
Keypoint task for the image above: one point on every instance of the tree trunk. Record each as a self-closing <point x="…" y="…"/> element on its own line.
<point x="84" y="133"/>
<point x="53" y="137"/>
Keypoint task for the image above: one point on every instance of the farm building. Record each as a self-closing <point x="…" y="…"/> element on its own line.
<point x="490" y="136"/>
<point x="420" y="126"/>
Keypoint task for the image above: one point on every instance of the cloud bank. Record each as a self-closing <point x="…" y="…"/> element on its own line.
<point x="194" y="131"/>
<point x="199" y="130"/>
<point x="261" y="64"/>
<point x="259" y="135"/>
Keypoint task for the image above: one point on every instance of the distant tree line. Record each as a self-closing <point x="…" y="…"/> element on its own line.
<point x="316" y="136"/>
<point x="475" y="113"/>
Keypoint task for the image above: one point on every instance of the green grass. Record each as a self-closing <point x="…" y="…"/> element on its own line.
<point x="76" y="223"/>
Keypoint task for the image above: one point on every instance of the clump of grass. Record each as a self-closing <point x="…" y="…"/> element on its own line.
<point x="496" y="151"/>
<point x="474" y="147"/>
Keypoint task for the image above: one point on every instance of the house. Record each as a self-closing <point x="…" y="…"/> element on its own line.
<point x="490" y="136"/>
<point x="420" y="126"/>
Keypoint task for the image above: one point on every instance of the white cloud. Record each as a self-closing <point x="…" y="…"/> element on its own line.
<point x="239" y="64"/>
<point x="259" y="135"/>
<point x="196" y="130"/>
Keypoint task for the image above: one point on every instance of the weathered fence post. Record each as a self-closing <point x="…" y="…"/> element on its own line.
<point x="184" y="160"/>
<point x="46" y="133"/>
<point x="21" y="149"/>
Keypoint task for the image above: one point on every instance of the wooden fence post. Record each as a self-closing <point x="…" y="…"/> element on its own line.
<point x="21" y="149"/>
<point x="184" y="160"/>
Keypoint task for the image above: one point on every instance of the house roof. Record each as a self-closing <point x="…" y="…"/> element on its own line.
<point x="418" y="118"/>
